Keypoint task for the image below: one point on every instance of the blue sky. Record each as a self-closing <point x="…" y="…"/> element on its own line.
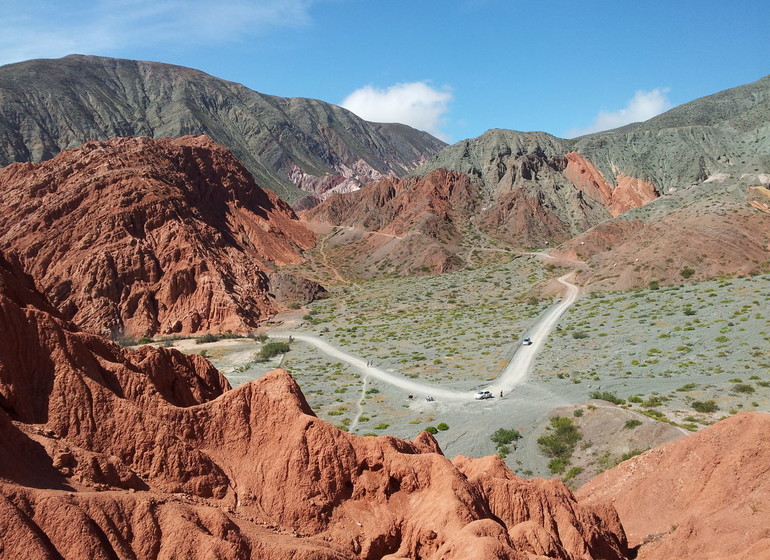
<point x="455" y="69"/>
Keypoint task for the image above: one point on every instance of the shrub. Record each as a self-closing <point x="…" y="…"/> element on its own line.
<point x="505" y="437"/>
<point x="382" y="426"/>
<point x="687" y="387"/>
<point x="632" y="453"/>
<point x="606" y="396"/>
<point x="579" y="335"/>
<point x="743" y="388"/>
<point x="557" y="465"/>
<point x="578" y="413"/>
<point x="560" y="443"/>
<point x="704" y="406"/>
<point x="633" y="423"/>
<point x="271" y="349"/>
<point x="443" y="427"/>
<point x="145" y="340"/>
<point x="206" y="338"/>
<point x="687" y="272"/>
<point x="431" y="430"/>
<point x="572" y="473"/>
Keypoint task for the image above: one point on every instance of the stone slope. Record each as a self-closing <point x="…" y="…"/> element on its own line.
<point x="527" y="189"/>
<point x="104" y="458"/>
<point x="142" y="236"/>
<point x="413" y="224"/>
<point x="727" y="132"/>
<point x="292" y="146"/>
<point x="704" y="496"/>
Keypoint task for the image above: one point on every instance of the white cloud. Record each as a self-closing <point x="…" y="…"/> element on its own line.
<point x="43" y="29"/>
<point x="416" y="104"/>
<point x="644" y="105"/>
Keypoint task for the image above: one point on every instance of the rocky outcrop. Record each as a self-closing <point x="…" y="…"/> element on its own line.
<point x="145" y="454"/>
<point x="291" y="289"/>
<point x="287" y="144"/>
<point x="142" y="236"/>
<point x="704" y="496"/>
<point x="414" y="224"/>
<point x="626" y="193"/>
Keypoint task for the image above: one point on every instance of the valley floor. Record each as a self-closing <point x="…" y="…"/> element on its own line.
<point x="657" y="353"/>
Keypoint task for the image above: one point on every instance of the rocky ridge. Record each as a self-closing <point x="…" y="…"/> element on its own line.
<point x="149" y="454"/>
<point x="141" y="236"/>
<point x="287" y="144"/>
<point x="684" y="190"/>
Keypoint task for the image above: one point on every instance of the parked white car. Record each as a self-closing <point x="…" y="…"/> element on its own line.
<point x="481" y="395"/>
<point x="527" y="341"/>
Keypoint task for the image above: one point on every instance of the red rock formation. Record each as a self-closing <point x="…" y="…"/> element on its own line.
<point x="628" y="193"/>
<point x="148" y="454"/>
<point x="414" y="223"/>
<point x="701" y="497"/>
<point x="430" y="205"/>
<point x="148" y="236"/>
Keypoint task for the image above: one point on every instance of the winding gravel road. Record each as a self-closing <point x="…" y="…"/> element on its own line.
<point x="515" y="373"/>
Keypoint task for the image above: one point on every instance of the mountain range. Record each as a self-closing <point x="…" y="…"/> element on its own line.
<point x="294" y="146"/>
<point x="698" y="172"/>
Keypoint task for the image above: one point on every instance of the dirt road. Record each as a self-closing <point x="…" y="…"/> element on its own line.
<point x="515" y="373"/>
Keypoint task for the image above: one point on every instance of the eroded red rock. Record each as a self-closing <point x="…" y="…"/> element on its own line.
<point x="146" y="236"/>
<point x="628" y="192"/>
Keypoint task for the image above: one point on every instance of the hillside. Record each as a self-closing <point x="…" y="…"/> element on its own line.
<point x="293" y="146"/>
<point x="704" y="496"/>
<point x="138" y="236"/>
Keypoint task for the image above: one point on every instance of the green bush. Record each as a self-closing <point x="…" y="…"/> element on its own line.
<point x="572" y="473"/>
<point x="560" y="443"/>
<point x="632" y="453"/>
<point x="381" y="426"/>
<point x="579" y="335"/>
<point x="443" y="427"/>
<point x="577" y="413"/>
<point x="743" y="388"/>
<point x="145" y="340"/>
<point x="687" y="387"/>
<point x="606" y="396"/>
<point x="432" y="430"/>
<point x="271" y="349"/>
<point x="557" y="465"/>
<point x="206" y="338"/>
<point x="687" y="272"/>
<point x="505" y="437"/>
<point x="633" y="423"/>
<point x="704" y="406"/>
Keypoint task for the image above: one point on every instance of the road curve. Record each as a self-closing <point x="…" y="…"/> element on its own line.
<point x="515" y="373"/>
<point x="391" y="378"/>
